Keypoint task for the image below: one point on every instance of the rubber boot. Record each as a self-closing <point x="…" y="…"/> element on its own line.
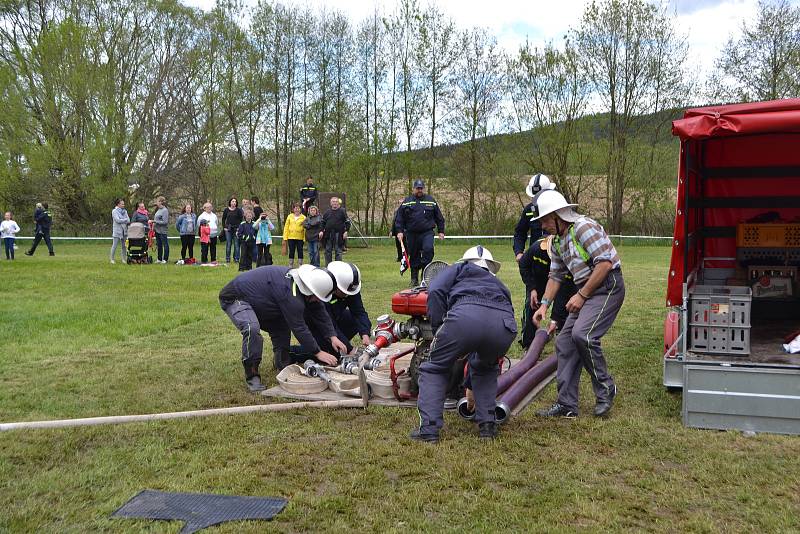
<point x="281" y="358"/>
<point x="291" y="263"/>
<point x="414" y="277"/>
<point x="253" y="379"/>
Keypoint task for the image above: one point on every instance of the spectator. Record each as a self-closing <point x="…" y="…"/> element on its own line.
<point x="334" y="230"/>
<point x="264" y="229"/>
<point x="294" y="234"/>
<point x="308" y="194"/>
<point x="213" y="224"/>
<point x="141" y="215"/>
<point x="119" y="230"/>
<point x="43" y="220"/>
<point x="246" y="234"/>
<point x="313" y="226"/>
<point x="257" y="209"/>
<point x="8" y="231"/>
<point x="186" y="226"/>
<point x="232" y="216"/>
<point x="160" y="227"/>
<point x="205" y="239"/>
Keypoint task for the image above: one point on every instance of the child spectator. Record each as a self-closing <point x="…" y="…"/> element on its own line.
<point x="264" y="229"/>
<point x="247" y="241"/>
<point x="313" y="226"/>
<point x="186" y="225"/>
<point x="119" y="231"/>
<point x="8" y="231"/>
<point x="534" y="268"/>
<point x="205" y="239"/>
<point x="294" y="235"/>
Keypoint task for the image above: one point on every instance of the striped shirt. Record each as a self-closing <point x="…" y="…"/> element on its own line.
<point x="595" y="242"/>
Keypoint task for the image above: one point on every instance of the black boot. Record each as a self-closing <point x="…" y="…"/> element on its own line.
<point x="281" y="358"/>
<point x="414" y="277"/>
<point x="487" y="430"/>
<point x="253" y="379"/>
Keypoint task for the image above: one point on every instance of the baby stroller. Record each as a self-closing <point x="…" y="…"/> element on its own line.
<point x="140" y="237"/>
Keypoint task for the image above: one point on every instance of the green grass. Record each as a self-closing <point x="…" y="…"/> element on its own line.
<point x="81" y="337"/>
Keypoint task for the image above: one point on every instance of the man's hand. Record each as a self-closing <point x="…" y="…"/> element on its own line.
<point x="320" y="234"/>
<point x="534" y="299"/>
<point x="400" y="236"/>
<point x="344" y="235"/>
<point x="338" y="346"/>
<point x="539" y="316"/>
<point x="575" y="304"/>
<point x="551" y="328"/>
<point x="441" y="235"/>
<point x="365" y="340"/>
<point x="326" y="358"/>
<point x="519" y="257"/>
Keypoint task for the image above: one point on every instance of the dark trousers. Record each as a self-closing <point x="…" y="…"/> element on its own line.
<point x="345" y="329"/>
<point x="187" y="245"/>
<point x="43" y="233"/>
<point x="483" y="333"/>
<point x="245" y="320"/>
<point x="559" y="313"/>
<point x="247" y="254"/>
<point x="313" y="252"/>
<point x="203" y="252"/>
<point x="8" y="243"/>
<point x="264" y="256"/>
<point x="578" y="343"/>
<point x="162" y="243"/>
<point x="295" y="247"/>
<point x="333" y="247"/>
<point x="399" y="248"/>
<point x="419" y="247"/>
<point x="212" y="248"/>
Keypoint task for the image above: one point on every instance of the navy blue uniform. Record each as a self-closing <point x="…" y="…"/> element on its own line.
<point x="349" y="318"/>
<point x="43" y="219"/>
<point x="526" y="226"/>
<point x="471" y="312"/>
<point x="308" y="192"/>
<point x="266" y="298"/>
<point x="417" y="218"/>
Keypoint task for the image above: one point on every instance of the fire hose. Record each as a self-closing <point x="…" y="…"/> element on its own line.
<point x="516" y="383"/>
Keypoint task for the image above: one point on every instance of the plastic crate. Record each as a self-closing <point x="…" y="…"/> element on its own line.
<point x="719" y="319"/>
<point x="768" y="235"/>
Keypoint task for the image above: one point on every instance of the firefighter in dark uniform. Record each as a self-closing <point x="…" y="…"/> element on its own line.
<point x="471" y="313"/>
<point x="534" y="269"/>
<point x="346" y="310"/>
<point x="308" y="195"/>
<point x="526" y="225"/>
<point x="282" y="302"/>
<point x="417" y="217"/>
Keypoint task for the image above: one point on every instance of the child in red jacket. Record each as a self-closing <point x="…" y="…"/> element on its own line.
<point x="205" y="239"/>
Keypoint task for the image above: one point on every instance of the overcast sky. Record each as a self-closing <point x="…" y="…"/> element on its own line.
<point x="707" y="23"/>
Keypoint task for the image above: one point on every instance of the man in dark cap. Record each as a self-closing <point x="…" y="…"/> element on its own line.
<point x="418" y="215"/>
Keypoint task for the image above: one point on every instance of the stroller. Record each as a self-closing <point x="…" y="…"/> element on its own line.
<point x="140" y="238"/>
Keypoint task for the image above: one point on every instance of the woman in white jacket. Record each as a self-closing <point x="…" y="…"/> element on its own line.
<point x="213" y="223"/>
<point x="8" y="232"/>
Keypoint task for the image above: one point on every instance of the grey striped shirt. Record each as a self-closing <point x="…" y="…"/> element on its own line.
<point x="595" y="242"/>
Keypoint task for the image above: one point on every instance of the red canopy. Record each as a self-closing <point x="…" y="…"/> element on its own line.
<point x="736" y="162"/>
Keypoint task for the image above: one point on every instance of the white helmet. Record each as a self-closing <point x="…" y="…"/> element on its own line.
<point x="539" y="182"/>
<point x="549" y="201"/>
<point x="348" y="277"/>
<point x="315" y="281"/>
<point x="482" y="258"/>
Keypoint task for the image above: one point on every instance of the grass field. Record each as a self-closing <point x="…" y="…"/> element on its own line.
<point x="81" y="337"/>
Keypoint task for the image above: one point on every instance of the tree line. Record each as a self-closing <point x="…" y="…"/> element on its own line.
<point x="96" y="95"/>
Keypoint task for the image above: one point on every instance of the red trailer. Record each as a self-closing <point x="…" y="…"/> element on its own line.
<point x="732" y="291"/>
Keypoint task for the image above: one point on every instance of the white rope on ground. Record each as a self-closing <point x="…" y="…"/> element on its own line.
<point x="616" y="236"/>
<point x="118" y="419"/>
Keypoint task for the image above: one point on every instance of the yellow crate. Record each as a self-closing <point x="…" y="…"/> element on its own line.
<point x="768" y="235"/>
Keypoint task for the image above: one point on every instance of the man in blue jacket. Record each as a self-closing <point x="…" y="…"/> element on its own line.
<point x="471" y="313"/>
<point x="418" y="215"/>
<point x="280" y="301"/>
<point x="43" y="219"/>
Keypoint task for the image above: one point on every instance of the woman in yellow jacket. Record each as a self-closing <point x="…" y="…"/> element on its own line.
<point x="294" y="234"/>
